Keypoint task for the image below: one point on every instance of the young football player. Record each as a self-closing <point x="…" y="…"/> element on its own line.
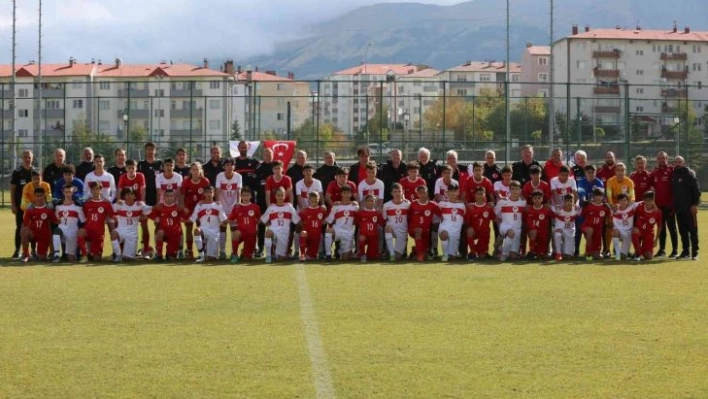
<point x="509" y="212"/>
<point x="313" y="218"/>
<point x="645" y="234"/>
<point x="420" y="221"/>
<point x="168" y="216"/>
<point x="129" y="213"/>
<point x="192" y="192"/>
<point x="69" y="215"/>
<point x="278" y="217"/>
<point x="99" y="213"/>
<point x="340" y="225"/>
<point x="538" y="225"/>
<point x="564" y="227"/>
<point x="36" y="226"/>
<point x="480" y="216"/>
<point x="228" y="190"/>
<point x="396" y="213"/>
<point x="453" y="216"/>
<point x="595" y="215"/>
<point x="369" y="221"/>
<point x="623" y="223"/>
<point x="209" y="216"/>
<point x="410" y="183"/>
<point x="246" y="216"/>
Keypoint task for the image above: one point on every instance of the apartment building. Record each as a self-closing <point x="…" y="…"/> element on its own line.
<point x="266" y="102"/>
<point x="660" y="68"/>
<point x="350" y="97"/>
<point x="175" y="102"/>
<point x="473" y="77"/>
<point x="535" y="71"/>
<point x="416" y="93"/>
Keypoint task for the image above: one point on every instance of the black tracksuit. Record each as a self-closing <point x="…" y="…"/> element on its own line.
<point x="687" y="194"/>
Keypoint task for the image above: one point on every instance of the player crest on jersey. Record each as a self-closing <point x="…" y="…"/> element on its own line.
<point x="427" y="213"/>
<point x="44" y="216"/>
<point x="398" y="211"/>
<point x="486" y="214"/>
<point x="602" y="213"/>
<point x="652" y="220"/>
<point x="208" y="211"/>
<point x="100" y="209"/>
<point x="200" y="191"/>
<point x="174" y="214"/>
<point x="280" y="215"/>
<point x="515" y="209"/>
<point x="135" y="186"/>
<point x="320" y="216"/>
<point x="346" y="214"/>
<point x="251" y="213"/>
<point x="454" y="211"/>
<point x="625" y="216"/>
<point x="567" y="219"/>
<point x="624" y="189"/>
<point x="65" y="213"/>
<point x="229" y="187"/>
<point x="129" y="214"/>
<point x="540" y="217"/>
<point x="374" y="219"/>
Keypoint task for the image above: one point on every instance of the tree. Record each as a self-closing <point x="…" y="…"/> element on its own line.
<point x="308" y="138"/>
<point x="235" y="131"/>
<point x="82" y="136"/>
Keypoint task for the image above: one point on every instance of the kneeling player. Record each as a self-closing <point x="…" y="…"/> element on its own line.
<point x="480" y="215"/>
<point x="564" y="228"/>
<point x="209" y="216"/>
<point x="396" y="213"/>
<point x="36" y="226"/>
<point x="421" y="216"/>
<point x="538" y="224"/>
<point x="129" y="214"/>
<point x="453" y="216"/>
<point x="369" y="221"/>
<point x="246" y="215"/>
<point x="278" y="218"/>
<point x="595" y="215"/>
<point x="312" y="217"/>
<point x="99" y="212"/>
<point x="69" y="215"/>
<point x="623" y="222"/>
<point x="340" y="223"/>
<point x="648" y="217"/>
<point x="509" y="212"/>
<point x="168" y="216"/>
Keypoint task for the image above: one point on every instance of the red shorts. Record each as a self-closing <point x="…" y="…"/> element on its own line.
<point x="481" y="243"/>
<point x="314" y="238"/>
<point x="43" y="239"/>
<point x="646" y="240"/>
<point x="96" y="237"/>
<point x="173" y="238"/>
<point x="596" y="238"/>
<point x="371" y="242"/>
<point x="541" y="243"/>
<point x="424" y="232"/>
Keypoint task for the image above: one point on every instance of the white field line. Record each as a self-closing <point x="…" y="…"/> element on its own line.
<point x="320" y="368"/>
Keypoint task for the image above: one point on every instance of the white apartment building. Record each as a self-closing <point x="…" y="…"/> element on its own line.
<point x="416" y="92"/>
<point x="349" y="98"/>
<point x="472" y="78"/>
<point x="659" y="67"/>
<point x="171" y="102"/>
<point x="535" y="71"/>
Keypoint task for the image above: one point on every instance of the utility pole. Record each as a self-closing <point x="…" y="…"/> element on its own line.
<point x="506" y="89"/>
<point x="13" y="82"/>
<point x="39" y="89"/>
<point x="551" y="105"/>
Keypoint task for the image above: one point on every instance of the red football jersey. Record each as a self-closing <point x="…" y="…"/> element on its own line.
<point x="538" y="219"/>
<point x="646" y="220"/>
<point x="272" y="185"/>
<point x="409" y="188"/>
<point x="642" y="183"/>
<point x="335" y="191"/>
<point x="421" y="215"/>
<point x="39" y="220"/>
<point x="193" y="192"/>
<point x="605" y="173"/>
<point x="595" y="215"/>
<point x="138" y="184"/>
<point x="661" y="180"/>
<point x="170" y="216"/>
<point x="368" y="222"/>
<point x="313" y="219"/>
<point x="479" y="217"/>
<point x="542" y="186"/>
<point x="470" y="186"/>
<point x="246" y="217"/>
<point x="96" y="214"/>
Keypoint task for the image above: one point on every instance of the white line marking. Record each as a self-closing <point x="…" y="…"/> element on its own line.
<point x="320" y="369"/>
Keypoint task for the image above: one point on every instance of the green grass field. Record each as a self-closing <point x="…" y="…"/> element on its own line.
<point x="407" y="330"/>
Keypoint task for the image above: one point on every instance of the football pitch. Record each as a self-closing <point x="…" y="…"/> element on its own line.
<point x="380" y="330"/>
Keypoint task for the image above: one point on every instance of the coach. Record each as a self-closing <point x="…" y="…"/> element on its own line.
<point x="661" y="178"/>
<point x="357" y="172"/>
<point x="20" y="178"/>
<point x="521" y="170"/>
<point x="687" y="196"/>
<point x="246" y="167"/>
<point x="428" y="169"/>
<point x="392" y="172"/>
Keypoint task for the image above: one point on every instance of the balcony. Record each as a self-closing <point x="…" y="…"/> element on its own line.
<point x="606" y="73"/>
<point x="668" y="110"/>
<point x="673" y="93"/>
<point x="606" y="54"/>
<point x="6" y="114"/>
<point x="185" y="93"/>
<point x="606" y="90"/>
<point x="6" y="94"/>
<point x="52" y="93"/>
<point x="607" y="109"/>
<point x="134" y="93"/>
<point x="134" y="113"/>
<point x="54" y="113"/>
<point x="676" y="75"/>
<point x="674" y="56"/>
<point x="54" y="133"/>
<point x="186" y="113"/>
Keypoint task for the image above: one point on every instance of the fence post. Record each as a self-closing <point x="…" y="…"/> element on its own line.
<point x="444" y="116"/>
<point x="317" y="125"/>
<point x="627" y="124"/>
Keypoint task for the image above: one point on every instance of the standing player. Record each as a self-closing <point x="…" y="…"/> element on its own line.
<point x="480" y="215"/>
<point x="647" y="219"/>
<point x="132" y="178"/>
<point x="118" y="169"/>
<point x="192" y="192"/>
<point x="410" y="183"/>
<point x="396" y="213"/>
<point x="69" y="215"/>
<point x="98" y="212"/>
<point x="502" y="188"/>
<point x="228" y="190"/>
<point x="536" y="184"/>
<point x="209" y="216"/>
<point x="334" y="189"/>
<point x="372" y="186"/>
<point x="307" y="185"/>
<point x="538" y="224"/>
<point x="509" y="213"/>
<point x="168" y="180"/>
<point x="181" y="166"/>
<point x="564" y="227"/>
<point x="278" y="217"/>
<point x="246" y="215"/>
<point x="595" y="215"/>
<point x="561" y="186"/>
<point x="453" y="216"/>
<point x="443" y="183"/>
<point x="369" y="222"/>
<point x="340" y="223"/>
<point x="623" y="222"/>
<point x="36" y="226"/>
<point x="128" y="213"/>
<point x="108" y="183"/>
<point x="476" y="180"/>
<point x="168" y="216"/>
<point x="150" y="167"/>
<point x="420" y="221"/>
<point x="278" y="180"/>
<point x="312" y="217"/>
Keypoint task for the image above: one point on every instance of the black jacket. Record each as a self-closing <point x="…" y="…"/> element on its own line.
<point x="389" y="174"/>
<point x="685" y="189"/>
<point x="429" y="173"/>
<point x="354" y="173"/>
<point x="84" y="168"/>
<point x="325" y="174"/>
<point x="493" y="172"/>
<point x="522" y="172"/>
<point x="263" y="171"/>
<point x="294" y="173"/>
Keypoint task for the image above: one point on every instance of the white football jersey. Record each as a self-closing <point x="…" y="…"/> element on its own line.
<point x="228" y="191"/>
<point x="209" y="215"/>
<point x="397" y="214"/>
<point x="107" y="182"/>
<point x="302" y="190"/>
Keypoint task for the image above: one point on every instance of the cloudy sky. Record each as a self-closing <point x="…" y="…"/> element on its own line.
<point x="153" y="30"/>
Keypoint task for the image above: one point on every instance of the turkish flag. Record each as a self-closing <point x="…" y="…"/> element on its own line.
<point x="282" y="150"/>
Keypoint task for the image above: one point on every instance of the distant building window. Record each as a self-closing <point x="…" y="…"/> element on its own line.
<point x="640" y="109"/>
<point x="22" y="113"/>
<point x="640" y="72"/>
<point x="640" y="52"/>
<point x="515" y="78"/>
<point x="640" y="90"/>
<point x="581" y="64"/>
<point x="78" y="104"/>
<point x="214" y="124"/>
<point x="461" y="78"/>
<point x="159" y="113"/>
<point x="462" y="92"/>
<point x="214" y="84"/>
<point x="543" y="93"/>
<point x="23" y="133"/>
<point x="543" y="77"/>
<point x="104" y="104"/>
<point x="214" y="104"/>
<point x="53" y="104"/>
<point x="279" y="116"/>
<point x="159" y="92"/>
<point x="22" y="93"/>
<point x="104" y="85"/>
<point x="542" y="60"/>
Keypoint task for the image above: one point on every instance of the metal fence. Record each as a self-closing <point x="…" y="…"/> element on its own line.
<point x="383" y="113"/>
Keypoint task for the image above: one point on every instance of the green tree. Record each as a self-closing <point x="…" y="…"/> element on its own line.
<point x="235" y="131"/>
<point x="308" y="137"/>
<point x="82" y="136"/>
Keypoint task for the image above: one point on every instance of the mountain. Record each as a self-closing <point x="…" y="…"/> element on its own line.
<point x="445" y="36"/>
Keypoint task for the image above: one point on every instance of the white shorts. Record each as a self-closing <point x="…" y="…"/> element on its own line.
<point x="129" y="239"/>
<point x="568" y="237"/>
<point x="516" y="241"/>
<point x="281" y="236"/>
<point x="453" y="229"/>
<point x="345" y="238"/>
<point x="211" y="242"/>
<point x="401" y="241"/>
<point x="69" y="237"/>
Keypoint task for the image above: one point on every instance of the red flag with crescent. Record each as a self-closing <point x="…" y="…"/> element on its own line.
<point x="282" y="150"/>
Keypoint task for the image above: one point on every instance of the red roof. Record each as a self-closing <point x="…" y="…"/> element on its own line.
<point x="634" y="34"/>
<point x="261" y="77"/>
<point x="162" y="69"/>
<point x="539" y="50"/>
<point x="425" y="73"/>
<point x="486" y="66"/>
<point x="48" y="70"/>
<point x="378" y="69"/>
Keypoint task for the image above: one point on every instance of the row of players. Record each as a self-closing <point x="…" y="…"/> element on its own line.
<point x="397" y="219"/>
